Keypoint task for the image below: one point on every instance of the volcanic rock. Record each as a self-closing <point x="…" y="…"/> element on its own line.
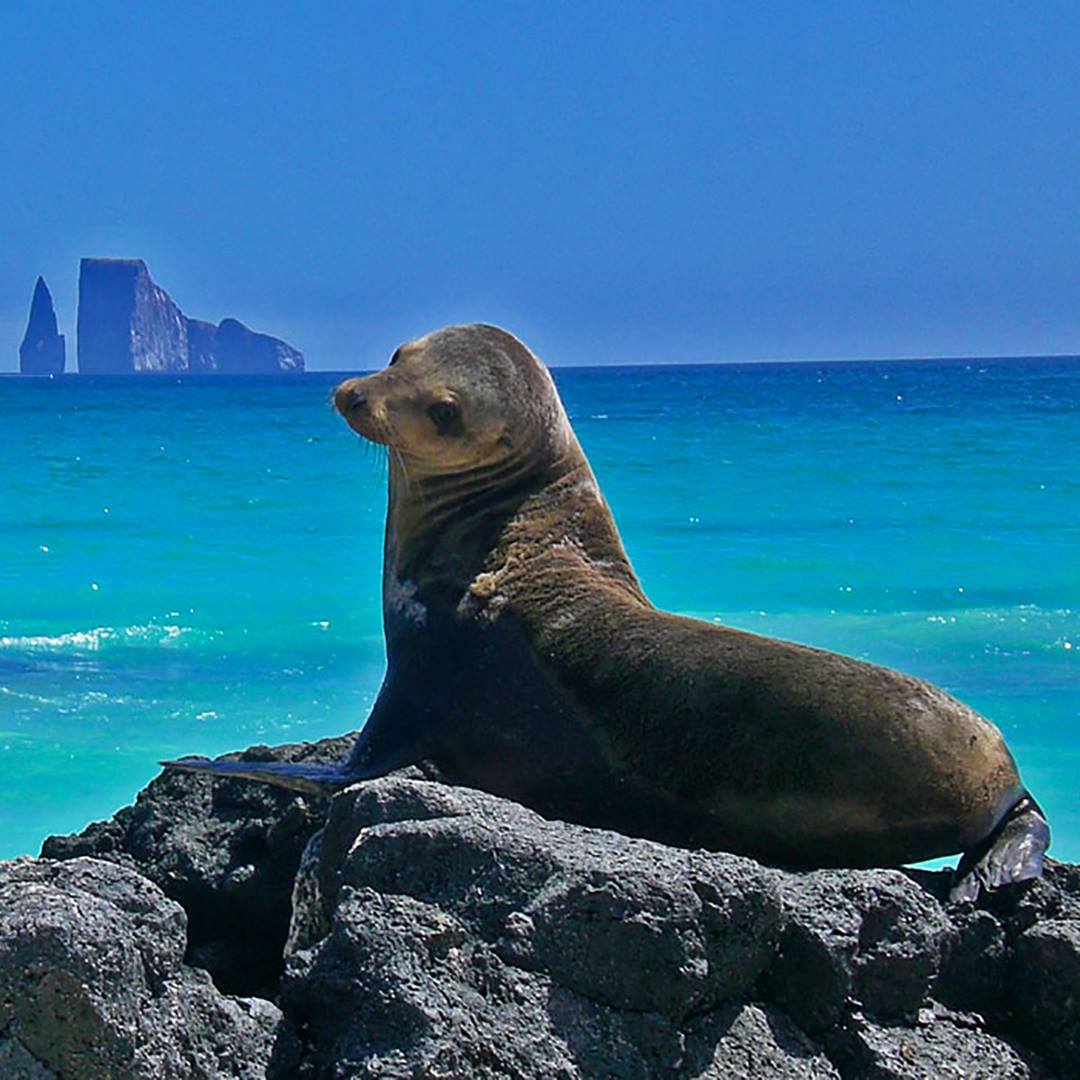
<point x="93" y="984"/>
<point x="410" y="928"/>
<point x="227" y="852"/>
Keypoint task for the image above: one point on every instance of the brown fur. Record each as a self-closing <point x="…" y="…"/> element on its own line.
<point x="574" y="694"/>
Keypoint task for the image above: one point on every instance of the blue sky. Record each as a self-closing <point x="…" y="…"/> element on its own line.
<point x="613" y="182"/>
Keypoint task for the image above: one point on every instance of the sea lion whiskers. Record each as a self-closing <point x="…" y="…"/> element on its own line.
<point x="399" y="461"/>
<point x="376" y="453"/>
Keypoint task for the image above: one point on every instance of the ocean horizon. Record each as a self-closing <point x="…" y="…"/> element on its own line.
<point x="343" y="373"/>
<point x="192" y="562"/>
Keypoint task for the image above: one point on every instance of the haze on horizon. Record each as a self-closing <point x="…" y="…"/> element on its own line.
<point x="616" y="183"/>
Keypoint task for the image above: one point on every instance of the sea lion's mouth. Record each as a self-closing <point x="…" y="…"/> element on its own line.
<point x="366" y="425"/>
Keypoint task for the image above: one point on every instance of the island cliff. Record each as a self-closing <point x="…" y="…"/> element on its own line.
<point x="128" y="324"/>
<point x="42" y="348"/>
<point x="406" y="928"/>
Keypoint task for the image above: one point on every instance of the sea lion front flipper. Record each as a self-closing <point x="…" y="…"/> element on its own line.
<point x="1012" y="853"/>
<point x="386" y="742"/>
<point x="311" y="779"/>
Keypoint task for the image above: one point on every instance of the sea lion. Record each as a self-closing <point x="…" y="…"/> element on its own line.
<point x="523" y="658"/>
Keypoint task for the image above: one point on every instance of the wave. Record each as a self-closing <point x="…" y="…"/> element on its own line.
<point x="153" y="635"/>
<point x="1019" y="629"/>
<point x="34" y="699"/>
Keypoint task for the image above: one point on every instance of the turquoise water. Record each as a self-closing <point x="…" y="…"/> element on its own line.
<point x="193" y="566"/>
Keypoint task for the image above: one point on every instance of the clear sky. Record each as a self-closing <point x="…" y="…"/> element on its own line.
<point x="613" y="182"/>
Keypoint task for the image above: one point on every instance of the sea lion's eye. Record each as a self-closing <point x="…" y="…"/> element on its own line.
<point x="443" y="414"/>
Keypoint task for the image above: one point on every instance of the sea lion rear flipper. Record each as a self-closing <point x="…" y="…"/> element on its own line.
<point x="1012" y="853"/>
<point x="312" y="779"/>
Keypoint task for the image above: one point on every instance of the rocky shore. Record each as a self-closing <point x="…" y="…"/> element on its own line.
<point x="411" y="929"/>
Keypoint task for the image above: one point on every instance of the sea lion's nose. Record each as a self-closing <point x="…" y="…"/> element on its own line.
<point x="349" y="397"/>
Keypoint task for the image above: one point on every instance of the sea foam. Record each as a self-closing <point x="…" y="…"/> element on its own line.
<point x="98" y="638"/>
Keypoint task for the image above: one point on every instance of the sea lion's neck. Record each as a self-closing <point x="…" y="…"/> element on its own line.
<point x="442" y="532"/>
<point x="440" y="528"/>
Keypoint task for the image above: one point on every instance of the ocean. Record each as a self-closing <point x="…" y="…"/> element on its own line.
<point x="191" y="565"/>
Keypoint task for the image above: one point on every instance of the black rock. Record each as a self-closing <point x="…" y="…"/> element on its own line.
<point x="974" y="974"/>
<point x="429" y="930"/>
<point x="129" y="324"/>
<point x="1045" y="984"/>
<point x="93" y="984"/>
<point x="227" y="852"/>
<point x="941" y="1046"/>
<point x="752" y="1042"/>
<point x="868" y="936"/>
<point x="42" y="350"/>
<point x="563" y="900"/>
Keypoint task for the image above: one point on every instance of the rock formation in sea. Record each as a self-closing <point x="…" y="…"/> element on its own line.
<point x="238" y="349"/>
<point x="409" y="928"/>
<point x="127" y="324"/>
<point x="42" y="349"/>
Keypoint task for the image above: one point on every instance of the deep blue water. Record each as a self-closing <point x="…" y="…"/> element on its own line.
<point x="192" y="566"/>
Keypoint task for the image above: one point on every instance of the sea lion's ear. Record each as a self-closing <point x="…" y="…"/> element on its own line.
<point x="506" y="439"/>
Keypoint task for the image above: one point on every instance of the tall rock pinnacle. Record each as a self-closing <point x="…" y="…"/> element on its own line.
<point x="42" y="348"/>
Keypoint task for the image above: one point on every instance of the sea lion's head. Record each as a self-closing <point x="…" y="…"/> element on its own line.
<point x="459" y="399"/>
<point x="481" y="451"/>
